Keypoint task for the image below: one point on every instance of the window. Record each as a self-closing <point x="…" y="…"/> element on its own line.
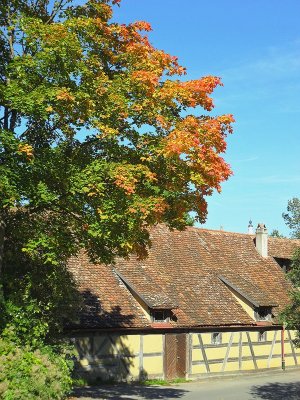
<point x="160" y="315"/>
<point x="263" y="314"/>
<point x="262" y="336"/>
<point x="216" y="338"/>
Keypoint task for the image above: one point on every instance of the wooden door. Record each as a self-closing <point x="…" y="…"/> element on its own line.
<point x="175" y="355"/>
<point x="181" y="355"/>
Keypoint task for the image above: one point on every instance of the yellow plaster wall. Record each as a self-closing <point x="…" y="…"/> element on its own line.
<point x="153" y="365"/>
<point x="199" y="369"/>
<point x="215" y="367"/>
<point x="247" y="306"/>
<point x="143" y="305"/>
<point x="129" y="343"/>
<point x="215" y="355"/>
<point x="214" y="352"/>
<point x="277" y="346"/>
<point x="253" y="336"/>
<point x="246" y="351"/>
<point x="275" y="363"/>
<point x="289" y="361"/>
<point x="247" y="365"/>
<point x="153" y="343"/>
<point x="232" y="366"/>
<point x="206" y="338"/>
<point x="286" y="335"/>
<point x="287" y="348"/>
<point x="262" y="349"/>
<point x="226" y="337"/>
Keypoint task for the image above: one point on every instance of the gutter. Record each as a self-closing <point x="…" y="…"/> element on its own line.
<point x="186" y="329"/>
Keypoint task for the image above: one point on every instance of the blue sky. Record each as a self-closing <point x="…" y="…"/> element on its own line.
<point x="254" y="46"/>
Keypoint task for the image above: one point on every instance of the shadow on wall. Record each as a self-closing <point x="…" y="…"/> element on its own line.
<point x="103" y="357"/>
<point x="129" y="392"/>
<point x="277" y="391"/>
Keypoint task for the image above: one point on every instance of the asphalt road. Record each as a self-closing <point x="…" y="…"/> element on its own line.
<point x="279" y="385"/>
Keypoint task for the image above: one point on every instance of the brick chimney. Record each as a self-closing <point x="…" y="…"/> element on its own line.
<point x="261" y="240"/>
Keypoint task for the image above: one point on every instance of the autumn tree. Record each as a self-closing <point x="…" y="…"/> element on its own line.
<point x="100" y="137"/>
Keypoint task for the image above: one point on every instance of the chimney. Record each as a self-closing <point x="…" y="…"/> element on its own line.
<point x="250" y="228"/>
<point x="261" y="240"/>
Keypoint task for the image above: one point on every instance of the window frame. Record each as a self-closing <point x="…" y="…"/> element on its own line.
<point x="165" y="314"/>
<point x="261" y="336"/>
<point x="216" y="338"/>
<point x="263" y="313"/>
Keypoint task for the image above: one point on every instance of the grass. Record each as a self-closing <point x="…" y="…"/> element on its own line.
<point x="163" y="382"/>
<point x="147" y="382"/>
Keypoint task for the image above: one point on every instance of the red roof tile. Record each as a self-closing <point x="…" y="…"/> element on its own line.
<point x="183" y="272"/>
<point x="282" y="248"/>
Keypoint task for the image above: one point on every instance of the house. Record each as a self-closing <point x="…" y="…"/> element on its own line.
<point x="202" y="302"/>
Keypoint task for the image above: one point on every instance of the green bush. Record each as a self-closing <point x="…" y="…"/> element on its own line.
<point x="27" y="374"/>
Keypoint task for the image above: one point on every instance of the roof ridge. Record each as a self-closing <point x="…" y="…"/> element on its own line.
<point x="196" y="228"/>
<point x="285" y="238"/>
<point x="218" y="231"/>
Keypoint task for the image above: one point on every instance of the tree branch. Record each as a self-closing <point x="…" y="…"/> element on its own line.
<point x="13" y="120"/>
<point x="6" y="116"/>
<point x="57" y="9"/>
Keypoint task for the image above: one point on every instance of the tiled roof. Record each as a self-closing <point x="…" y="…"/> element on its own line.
<point x="182" y="272"/>
<point x="154" y="299"/>
<point x="283" y="248"/>
<point x="248" y="290"/>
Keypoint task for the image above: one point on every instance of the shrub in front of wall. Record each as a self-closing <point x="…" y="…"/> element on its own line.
<point x="27" y="374"/>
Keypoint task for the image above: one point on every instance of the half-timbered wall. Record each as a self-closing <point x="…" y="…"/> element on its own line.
<point x="190" y="355"/>
<point x="240" y="351"/>
<point x="120" y="357"/>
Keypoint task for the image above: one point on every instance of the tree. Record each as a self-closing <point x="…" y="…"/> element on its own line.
<point x="97" y="138"/>
<point x="276" y="234"/>
<point x="291" y="314"/>
<point x="292" y="217"/>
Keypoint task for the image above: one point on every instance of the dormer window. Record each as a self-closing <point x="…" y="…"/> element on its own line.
<point x="263" y="313"/>
<point x="156" y="306"/>
<point x="160" y="315"/>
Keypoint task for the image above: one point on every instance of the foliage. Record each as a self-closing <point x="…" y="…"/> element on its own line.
<point x="99" y="138"/>
<point x="39" y="305"/>
<point x="40" y="300"/>
<point x="276" y="234"/>
<point x="35" y="311"/>
<point x="27" y="374"/>
<point x="291" y="314"/>
<point x="292" y="216"/>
